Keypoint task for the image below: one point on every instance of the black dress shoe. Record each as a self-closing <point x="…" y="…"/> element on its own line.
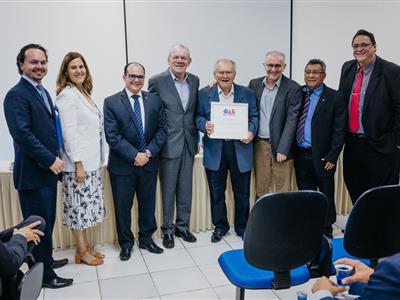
<point x="125" y="254"/>
<point x="152" y="247"/>
<point x="217" y="236"/>
<point x="186" y="236"/>
<point x="59" y="263"/>
<point x="168" y="241"/>
<point x="57" y="283"/>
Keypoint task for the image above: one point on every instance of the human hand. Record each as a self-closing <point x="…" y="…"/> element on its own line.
<point x="324" y="283"/>
<point x="362" y="271"/>
<point x="29" y="233"/>
<point x="328" y="165"/>
<point x="141" y="159"/>
<point x="57" y="166"/>
<point x="80" y="175"/>
<point x="249" y="138"/>
<point x="209" y="127"/>
<point x="280" y="157"/>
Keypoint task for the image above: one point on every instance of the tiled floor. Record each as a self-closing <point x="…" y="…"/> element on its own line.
<point x="188" y="271"/>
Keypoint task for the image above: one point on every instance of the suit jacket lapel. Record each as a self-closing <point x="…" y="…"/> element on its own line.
<point x="38" y="97"/>
<point x="280" y="94"/>
<point x="259" y="90"/>
<point x="128" y="106"/>
<point x="373" y="83"/>
<point x="321" y="101"/>
<point x="146" y="105"/>
<point x="213" y="95"/>
<point x="171" y="85"/>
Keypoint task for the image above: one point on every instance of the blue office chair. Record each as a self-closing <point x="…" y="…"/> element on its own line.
<point x="372" y="226"/>
<point x="283" y="233"/>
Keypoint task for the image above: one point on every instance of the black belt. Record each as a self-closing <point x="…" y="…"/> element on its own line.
<point x="302" y="149"/>
<point x="357" y="135"/>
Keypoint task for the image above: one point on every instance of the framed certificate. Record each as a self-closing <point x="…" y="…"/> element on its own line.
<point x="230" y="120"/>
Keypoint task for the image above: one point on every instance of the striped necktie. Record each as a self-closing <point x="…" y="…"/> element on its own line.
<point x="303" y="116"/>
<point x="139" y="123"/>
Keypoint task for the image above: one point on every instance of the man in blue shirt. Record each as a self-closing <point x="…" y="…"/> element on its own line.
<point x="320" y="135"/>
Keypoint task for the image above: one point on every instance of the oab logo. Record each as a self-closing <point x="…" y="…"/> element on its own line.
<point x="229" y="112"/>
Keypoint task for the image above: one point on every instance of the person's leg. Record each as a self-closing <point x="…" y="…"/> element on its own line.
<point x="146" y="196"/>
<point x="263" y="167"/>
<point x="42" y="202"/>
<point x="169" y="171"/>
<point x="123" y="190"/>
<point x="184" y="190"/>
<point x="304" y="168"/>
<point x="326" y="186"/>
<point x="282" y="175"/>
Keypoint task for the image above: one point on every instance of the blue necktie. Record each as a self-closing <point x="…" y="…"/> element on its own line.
<point x="42" y="93"/>
<point x="139" y="124"/>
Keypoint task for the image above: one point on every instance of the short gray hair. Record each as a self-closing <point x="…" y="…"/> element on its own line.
<point x="278" y="53"/>
<point x="225" y="60"/>
<point x="176" y="46"/>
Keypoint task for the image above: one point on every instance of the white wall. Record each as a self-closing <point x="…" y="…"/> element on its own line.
<point x="241" y="30"/>
<point x="93" y="29"/>
<point x="324" y="29"/>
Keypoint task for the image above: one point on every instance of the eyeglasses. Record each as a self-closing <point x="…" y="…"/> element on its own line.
<point x="133" y="76"/>
<point x="271" y="66"/>
<point x="309" y="72"/>
<point x="361" y="45"/>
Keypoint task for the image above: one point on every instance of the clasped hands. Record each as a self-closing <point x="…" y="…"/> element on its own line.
<point x="141" y="159"/>
<point x="30" y="233"/>
<point x="210" y="129"/>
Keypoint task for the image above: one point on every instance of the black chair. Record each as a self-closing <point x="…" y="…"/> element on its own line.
<point x="283" y="233"/>
<point x="373" y="226"/>
<point x="30" y="284"/>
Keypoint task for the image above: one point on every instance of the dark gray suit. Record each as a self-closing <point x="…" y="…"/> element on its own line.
<point x="178" y="153"/>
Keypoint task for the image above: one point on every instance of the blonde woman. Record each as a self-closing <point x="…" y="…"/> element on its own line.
<point x="82" y="128"/>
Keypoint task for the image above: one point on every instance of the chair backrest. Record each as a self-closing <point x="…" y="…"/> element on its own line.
<point x="284" y="230"/>
<point x="373" y="226"/>
<point x="31" y="283"/>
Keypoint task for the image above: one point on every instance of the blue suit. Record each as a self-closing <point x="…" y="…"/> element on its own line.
<point x="123" y="138"/>
<point x="384" y="284"/>
<point x="220" y="155"/>
<point x="33" y="129"/>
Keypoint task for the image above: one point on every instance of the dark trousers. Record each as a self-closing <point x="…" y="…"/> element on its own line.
<point x="124" y="187"/>
<point x="365" y="168"/>
<point x="308" y="179"/>
<point x="241" y="191"/>
<point x="42" y="202"/>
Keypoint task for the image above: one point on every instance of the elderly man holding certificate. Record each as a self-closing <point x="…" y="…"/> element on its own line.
<point x="228" y="117"/>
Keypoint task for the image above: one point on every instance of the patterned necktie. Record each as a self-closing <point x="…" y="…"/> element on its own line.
<point x="139" y="124"/>
<point x="355" y="103"/>
<point x="303" y="116"/>
<point x="42" y="93"/>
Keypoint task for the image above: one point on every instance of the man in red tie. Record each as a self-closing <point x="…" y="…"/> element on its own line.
<point x="371" y="87"/>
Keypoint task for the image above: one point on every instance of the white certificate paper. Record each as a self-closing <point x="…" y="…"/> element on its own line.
<point x="230" y="120"/>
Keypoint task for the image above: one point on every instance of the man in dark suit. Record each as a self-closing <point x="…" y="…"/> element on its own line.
<point x="381" y="283"/>
<point x="221" y="155"/>
<point x="178" y="91"/>
<point x="135" y="130"/>
<point x="31" y="120"/>
<point x="370" y="86"/>
<point x="320" y="136"/>
<point x="278" y="103"/>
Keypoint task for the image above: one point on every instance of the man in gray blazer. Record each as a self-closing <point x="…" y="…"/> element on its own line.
<point x="278" y="101"/>
<point x="178" y="91"/>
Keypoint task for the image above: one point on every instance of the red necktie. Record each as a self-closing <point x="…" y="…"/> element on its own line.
<point x="355" y="101"/>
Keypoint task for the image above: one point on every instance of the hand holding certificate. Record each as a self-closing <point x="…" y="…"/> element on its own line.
<point x="229" y="121"/>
